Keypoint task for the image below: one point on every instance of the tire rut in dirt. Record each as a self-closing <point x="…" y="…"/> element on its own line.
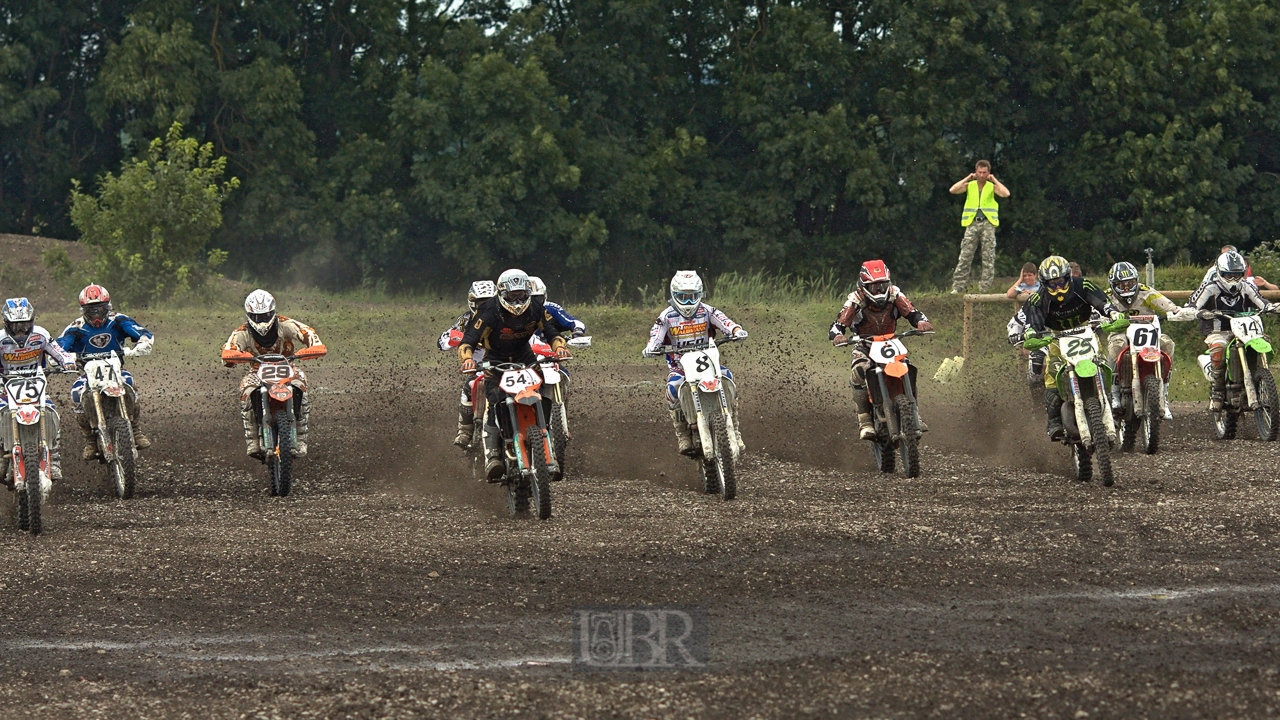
<point x="281" y="470"/>
<point x="124" y="467"/>
<point x="1151" y="394"/>
<point x="909" y="445"/>
<point x="1101" y="441"/>
<point x="1267" y="416"/>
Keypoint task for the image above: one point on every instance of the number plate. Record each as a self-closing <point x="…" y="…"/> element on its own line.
<point x="1144" y="336"/>
<point x="1078" y="347"/>
<point x="275" y="372"/>
<point x="25" y="391"/>
<point x="1247" y="328"/>
<point x="701" y="365"/>
<point x="886" y="351"/>
<point x="102" y="375"/>
<point x="516" y="381"/>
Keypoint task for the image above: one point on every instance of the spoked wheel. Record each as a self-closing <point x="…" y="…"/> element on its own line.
<point x="123" y="465"/>
<point x="883" y="452"/>
<point x="541" y="484"/>
<point x="517" y="493"/>
<point x="30" y="498"/>
<point x="909" y="445"/>
<point x="559" y="430"/>
<point x="1082" y="463"/>
<point x="1129" y="426"/>
<point x="726" y="470"/>
<point x="1101" y="441"/>
<point x="1149" y="426"/>
<point x="1267" y="416"/>
<point x="1224" y="424"/>
<point x="280" y="461"/>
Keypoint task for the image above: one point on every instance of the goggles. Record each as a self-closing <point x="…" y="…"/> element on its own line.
<point x="687" y="297"/>
<point x="1057" y="285"/>
<point x="262" y="318"/>
<point x="877" y="288"/>
<point x="516" y="297"/>
<point x="1232" y="277"/>
<point x="20" y="328"/>
<point x="1124" y="287"/>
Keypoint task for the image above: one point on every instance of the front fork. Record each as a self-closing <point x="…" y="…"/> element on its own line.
<point x="105" y="440"/>
<point x="20" y="455"/>
<point x="1250" y="392"/>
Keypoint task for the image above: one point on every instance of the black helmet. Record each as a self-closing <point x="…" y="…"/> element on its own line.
<point x="1124" y="281"/>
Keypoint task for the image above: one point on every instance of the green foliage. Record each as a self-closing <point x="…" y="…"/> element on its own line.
<point x="150" y="225"/>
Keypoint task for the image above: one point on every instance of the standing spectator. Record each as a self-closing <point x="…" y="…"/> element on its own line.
<point x="980" y="219"/>
<point x="1076" y="271"/>
<point x="1027" y="284"/>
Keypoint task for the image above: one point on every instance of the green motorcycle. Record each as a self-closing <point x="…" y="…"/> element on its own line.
<point x="1250" y="386"/>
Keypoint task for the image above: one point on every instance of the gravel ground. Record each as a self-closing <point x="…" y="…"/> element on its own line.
<point x="391" y="584"/>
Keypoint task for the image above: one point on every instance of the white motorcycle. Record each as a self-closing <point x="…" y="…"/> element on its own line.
<point x="104" y="402"/>
<point x="707" y="400"/>
<point x="1084" y="383"/>
<point x="31" y="426"/>
<point x="555" y="383"/>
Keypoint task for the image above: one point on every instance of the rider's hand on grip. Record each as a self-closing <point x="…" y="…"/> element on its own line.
<point x="739" y="334"/>
<point x="562" y="353"/>
<point x="1206" y="315"/>
<point x="468" y="366"/>
<point x="839" y="341"/>
<point x="1271" y="308"/>
<point x="925" y="326"/>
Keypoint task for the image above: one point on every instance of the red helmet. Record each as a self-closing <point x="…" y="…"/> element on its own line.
<point x="873" y="280"/>
<point x="95" y="305"/>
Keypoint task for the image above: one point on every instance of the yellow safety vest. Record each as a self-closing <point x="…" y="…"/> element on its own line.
<point x="986" y="203"/>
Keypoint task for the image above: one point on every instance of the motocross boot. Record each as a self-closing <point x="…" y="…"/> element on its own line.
<point x="252" y="440"/>
<point x="682" y="434"/>
<point x="494" y="467"/>
<point x="737" y="429"/>
<point x="301" y="429"/>
<point x="1053" y="408"/>
<point x="140" y="441"/>
<point x="90" y="452"/>
<point x="466" y="427"/>
<point x="1217" y="386"/>
<point x="862" y="403"/>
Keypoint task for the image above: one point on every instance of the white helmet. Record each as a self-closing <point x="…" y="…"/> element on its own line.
<point x="537" y="288"/>
<point x="19" y="318"/>
<point x="1230" y="271"/>
<point x="686" y="292"/>
<point x="480" y="290"/>
<point x="513" y="291"/>
<point x="260" y="309"/>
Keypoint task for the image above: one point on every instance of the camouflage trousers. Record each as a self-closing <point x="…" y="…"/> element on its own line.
<point x="983" y="233"/>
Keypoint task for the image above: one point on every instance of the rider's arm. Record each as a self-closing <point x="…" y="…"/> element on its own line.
<point x="1033" y="310"/>
<point x="1254" y="295"/>
<point x="657" y="336"/>
<point x="57" y="354"/>
<point x="909" y="311"/>
<point x="1098" y="299"/>
<point x="849" y="317"/>
<point x="562" y="316"/>
<point x="236" y="346"/>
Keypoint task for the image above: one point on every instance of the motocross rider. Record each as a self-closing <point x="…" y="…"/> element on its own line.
<point x="688" y="322"/>
<point x="1130" y="297"/>
<point x="539" y="289"/>
<point x="872" y="309"/>
<point x="480" y="291"/>
<point x="100" y="330"/>
<point x="1035" y="358"/>
<point x="266" y="333"/>
<point x="1062" y="303"/>
<point x="503" y="327"/>
<point x="1226" y="291"/>
<point x="25" y="345"/>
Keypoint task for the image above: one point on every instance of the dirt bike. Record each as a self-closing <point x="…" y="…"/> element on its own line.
<point x="1249" y="384"/>
<point x="707" y="399"/>
<point x="1142" y="369"/>
<point x="891" y="386"/>
<point x="104" y="402"/>
<point x="558" y="382"/>
<point x="1084" y="382"/>
<point x="27" y="457"/>
<point x="527" y="451"/>
<point x="276" y="404"/>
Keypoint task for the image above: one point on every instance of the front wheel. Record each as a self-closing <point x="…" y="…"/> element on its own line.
<point x="1082" y="463"/>
<point x="909" y="445"/>
<point x="726" y="472"/>
<point x="123" y="465"/>
<point x="1224" y="424"/>
<point x="1101" y="441"/>
<point x="1267" y="416"/>
<point x="559" y="430"/>
<point x="280" y="460"/>
<point x="30" y="498"/>
<point x="541" y="490"/>
<point x="1149" y="429"/>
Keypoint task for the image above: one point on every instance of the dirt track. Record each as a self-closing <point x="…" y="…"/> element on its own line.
<point x="391" y="585"/>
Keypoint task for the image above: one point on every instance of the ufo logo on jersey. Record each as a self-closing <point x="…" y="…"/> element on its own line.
<point x="101" y="340"/>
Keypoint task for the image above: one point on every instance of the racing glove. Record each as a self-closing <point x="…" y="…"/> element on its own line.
<point x="1206" y="315"/>
<point x="1031" y="340"/>
<point x="1271" y="308"/>
<point x="839" y="341"/>
<point x="739" y="334"/>
<point x="1181" y="314"/>
<point x="143" y="346"/>
<point x="468" y="366"/>
<point x="925" y="326"/>
<point x="1117" y="323"/>
<point x="562" y="353"/>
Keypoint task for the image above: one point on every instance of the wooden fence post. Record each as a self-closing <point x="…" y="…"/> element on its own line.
<point x="968" y="325"/>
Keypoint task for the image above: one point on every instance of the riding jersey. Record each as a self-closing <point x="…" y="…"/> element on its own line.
<point x="1210" y="297"/>
<point x="31" y="352"/>
<point x="504" y="336"/>
<point x="1147" y="302"/>
<point x="576" y="326"/>
<point x="680" y="332"/>
<point x="81" y="338"/>
<point x="1043" y="311"/>
<point x="291" y="336"/>
<point x="868" y="321"/>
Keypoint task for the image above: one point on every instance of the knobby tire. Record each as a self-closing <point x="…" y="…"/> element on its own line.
<point x="1101" y="443"/>
<point x="124" y="466"/>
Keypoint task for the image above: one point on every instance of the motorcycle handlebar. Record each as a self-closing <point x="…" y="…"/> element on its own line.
<point x="672" y="350"/>
<point x="851" y="339"/>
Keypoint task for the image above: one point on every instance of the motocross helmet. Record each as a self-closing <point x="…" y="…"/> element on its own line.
<point x="1123" y="278"/>
<point x="1055" y="277"/>
<point x="19" y="318"/>
<point x="1230" y="272"/>
<point x="686" y="292"/>
<point x="513" y="291"/>
<point x="873" y="280"/>
<point x="537" y="288"/>
<point x="95" y="305"/>
<point x="260" y="311"/>
<point x="480" y="291"/>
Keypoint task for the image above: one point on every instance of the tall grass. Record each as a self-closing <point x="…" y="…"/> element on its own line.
<point x="739" y="289"/>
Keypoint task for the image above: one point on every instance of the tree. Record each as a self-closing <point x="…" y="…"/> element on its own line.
<point x="151" y="224"/>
